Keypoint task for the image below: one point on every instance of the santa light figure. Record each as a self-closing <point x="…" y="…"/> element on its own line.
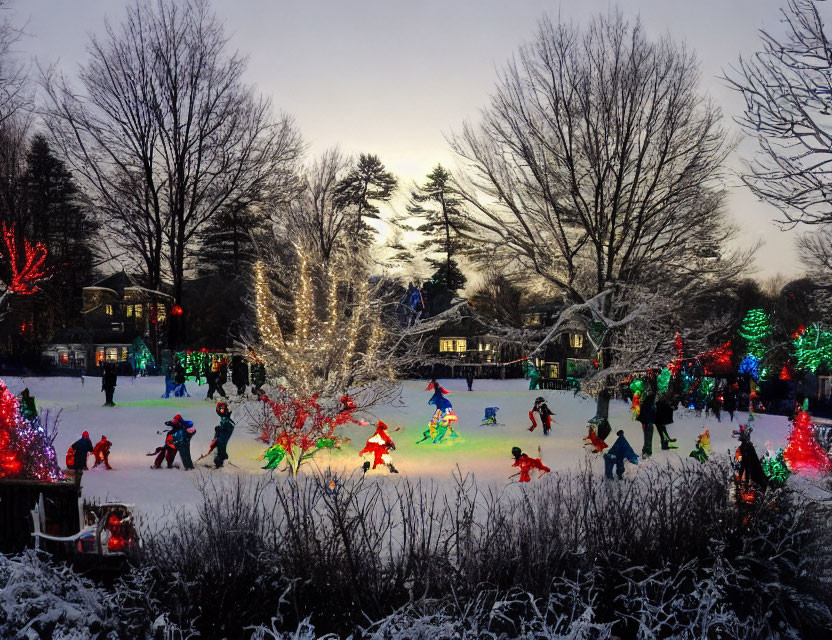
<point x="379" y="446"/>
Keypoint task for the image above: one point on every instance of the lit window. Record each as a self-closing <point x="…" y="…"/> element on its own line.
<point x="130" y="311"/>
<point x="112" y="354"/>
<point x="553" y="369"/>
<point x="139" y="310"/>
<point x="446" y="345"/>
<point x="64" y="357"/>
<point x="99" y="356"/>
<point x="576" y="340"/>
<point x="161" y="313"/>
<point x="123" y="355"/>
<point x="461" y="345"/>
<point x="452" y="345"/>
<point x="108" y="309"/>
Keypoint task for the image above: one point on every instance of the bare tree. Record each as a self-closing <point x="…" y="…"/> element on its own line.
<point x="787" y="87"/>
<point x="597" y="167"/>
<point x="815" y="251"/>
<point x="313" y="216"/>
<point x="165" y="133"/>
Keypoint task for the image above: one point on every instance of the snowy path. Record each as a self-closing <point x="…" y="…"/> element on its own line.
<point x="483" y="450"/>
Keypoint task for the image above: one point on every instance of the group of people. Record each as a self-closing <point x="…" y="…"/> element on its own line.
<point x="177" y="441"/>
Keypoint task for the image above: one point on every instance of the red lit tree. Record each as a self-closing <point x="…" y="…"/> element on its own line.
<point x="297" y="428"/>
<point x="803" y="453"/>
<point x="26" y="449"/>
<point x="26" y="270"/>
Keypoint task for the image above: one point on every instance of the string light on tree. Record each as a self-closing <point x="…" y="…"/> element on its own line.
<point x="755" y="330"/>
<point x="25" y="275"/>
<point x="803" y="453"/>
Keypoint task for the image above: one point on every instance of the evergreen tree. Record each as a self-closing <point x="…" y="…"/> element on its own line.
<point x="57" y="219"/>
<point x="368" y="182"/>
<point x="227" y="242"/>
<point x="439" y="207"/>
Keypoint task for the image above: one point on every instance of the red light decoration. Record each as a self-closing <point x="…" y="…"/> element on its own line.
<point x="24" y="277"/>
<point x="787" y="372"/>
<point x="718" y="360"/>
<point x="803" y="452"/>
<point x="800" y="331"/>
<point x="176" y="310"/>
<point x="26" y="449"/>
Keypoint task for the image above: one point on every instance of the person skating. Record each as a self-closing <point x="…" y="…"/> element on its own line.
<point x="101" y="451"/>
<point x="469" y="378"/>
<point x="222" y="378"/>
<point x="182" y="431"/>
<point x="618" y="453"/>
<point x="647" y="415"/>
<point x="170" y="385"/>
<point x="179" y="380"/>
<point x="664" y="417"/>
<point x="27" y="405"/>
<point x="222" y="434"/>
<point x="108" y="383"/>
<point x="545" y="414"/>
<point x="211" y="378"/>
<point x="526" y="464"/>
<point x="239" y="374"/>
<point x="76" y="456"/>
<point x="729" y="400"/>
<point x="379" y="445"/>
<point x="165" y="453"/>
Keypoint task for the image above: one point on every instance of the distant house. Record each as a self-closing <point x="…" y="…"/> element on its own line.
<point x="124" y="323"/>
<point x="466" y="344"/>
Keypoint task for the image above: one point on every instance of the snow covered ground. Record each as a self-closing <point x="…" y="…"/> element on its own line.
<point x="132" y="427"/>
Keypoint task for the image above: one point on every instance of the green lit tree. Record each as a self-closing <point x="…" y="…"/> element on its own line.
<point x="756" y="329"/>
<point x="813" y="348"/>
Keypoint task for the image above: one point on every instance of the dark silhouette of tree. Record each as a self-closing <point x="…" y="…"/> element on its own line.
<point x="368" y="182"/>
<point x="443" y="221"/>
<point x="227" y="243"/>
<point x="163" y="134"/>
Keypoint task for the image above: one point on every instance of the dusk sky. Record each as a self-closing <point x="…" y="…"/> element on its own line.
<point x="391" y="77"/>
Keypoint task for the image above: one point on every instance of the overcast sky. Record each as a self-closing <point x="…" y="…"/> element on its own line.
<point x="392" y="76"/>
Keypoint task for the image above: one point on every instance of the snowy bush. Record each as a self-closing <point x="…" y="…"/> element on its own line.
<point x="43" y="600"/>
<point x="667" y="555"/>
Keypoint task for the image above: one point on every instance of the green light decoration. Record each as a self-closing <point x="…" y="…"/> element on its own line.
<point x="755" y="330"/>
<point x="775" y="468"/>
<point x="663" y="380"/>
<point x="274" y="456"/>
<point x="813" y="348"/>
<point x="637" y="386"/>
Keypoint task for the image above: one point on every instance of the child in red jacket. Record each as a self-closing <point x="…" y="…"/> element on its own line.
<point x="102" y="453"/>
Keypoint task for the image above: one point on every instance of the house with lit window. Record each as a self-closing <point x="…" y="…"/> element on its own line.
<point x="124" y="323"/>
<point x="467" y="345"/>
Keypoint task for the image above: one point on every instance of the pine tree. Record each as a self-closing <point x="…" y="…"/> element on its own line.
<point x="68" y="230"/>
<point x="439" y="206"/>
<point x="368" y="182"/>
<point x="755" y="330"/>
<point x="803" y="452"/>
<point x="227" y="242"/>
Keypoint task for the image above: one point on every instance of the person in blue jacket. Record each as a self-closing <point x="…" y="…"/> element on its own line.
<point x="182" y="431"/>
<point x="222" y="434"/>
<point x="617" y="454"/>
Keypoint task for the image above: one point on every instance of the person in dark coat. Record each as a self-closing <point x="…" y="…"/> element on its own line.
<point x="664" y="417"/>
<point x="80" y="449"/>
<point x="211" y="379"/>
<point x="239" y="374"/>
<point x="617" y="454"/>
<point x="222" y="434"/>
<point x="108" y="383"/>
<point x="27" y="405"/>
<point x="165" y="453"/>
<point x="179" y="381"/>
<point x="647" y="414"/>
<point x="545" y="415"/>
<point x="729" y="400"/>
<point x="222" y="377"/>
<point x="258" y="378"/>
<point x="182" y="431"/>
<point x="716" y="404"/>
<point x="469" y="378"/>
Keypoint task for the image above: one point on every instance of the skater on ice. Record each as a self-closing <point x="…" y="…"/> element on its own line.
<point x="542" y="409"/>
<point x="618" y="453"/>
<point x="379" y="446"/>
<point x="222" y="434"/>
<point x="102" y="453"/>
<point x="165" y="453"/>
<point x="527" y="464"/>
<point x="182" y="431"/>
<point x="108" y="383"/>
<point x="490" y="415"/>
<point x="76" y="456"/>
